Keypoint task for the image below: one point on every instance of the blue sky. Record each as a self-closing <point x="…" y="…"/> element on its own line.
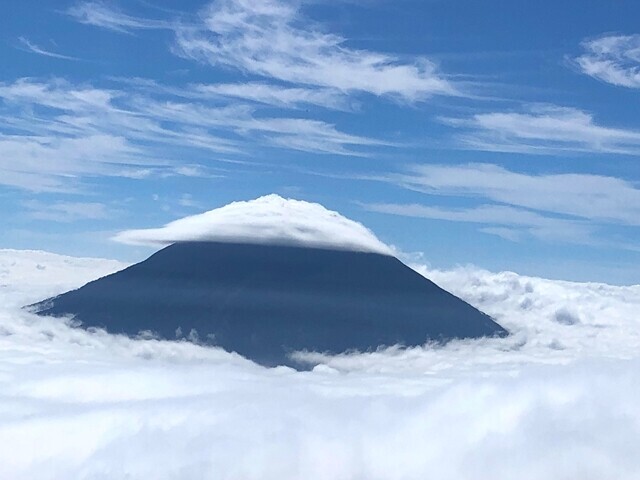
<point x="503" y="134"/>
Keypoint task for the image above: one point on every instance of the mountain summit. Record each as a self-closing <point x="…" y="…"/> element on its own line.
<point x="268" y="277"/>
<point x="266" y="301"/>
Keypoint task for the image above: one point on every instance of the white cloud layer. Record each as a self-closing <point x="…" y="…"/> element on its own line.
<point x="556" y="400"/>
<point x="614" y="59"/>
<point x="266" y="220"/>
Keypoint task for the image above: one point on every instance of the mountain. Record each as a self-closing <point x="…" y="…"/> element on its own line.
<point x="265" y="301"/>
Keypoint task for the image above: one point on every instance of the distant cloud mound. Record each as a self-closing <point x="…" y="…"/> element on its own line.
<point x="565" y="316"/>
<point x="268" y="220"/>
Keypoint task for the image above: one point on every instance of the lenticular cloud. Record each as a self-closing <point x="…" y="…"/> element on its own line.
<point x="266" y="220"/>
<point x="557" y="399"/>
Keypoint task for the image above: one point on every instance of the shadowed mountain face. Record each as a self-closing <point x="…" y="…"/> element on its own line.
<point x="266" y="301"/>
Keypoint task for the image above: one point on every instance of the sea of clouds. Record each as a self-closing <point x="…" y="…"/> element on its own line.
<point x="558" y="399"/>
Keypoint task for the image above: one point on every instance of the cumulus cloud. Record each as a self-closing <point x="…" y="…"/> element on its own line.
<point x="266" y="220"/>
<point x="613" y="59"/>
<point x="554" y="400"/>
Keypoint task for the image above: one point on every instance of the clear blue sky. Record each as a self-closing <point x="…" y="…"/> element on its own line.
<point x="500" y="133"/>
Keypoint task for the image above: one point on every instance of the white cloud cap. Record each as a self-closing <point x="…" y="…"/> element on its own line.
<point x="269" y="220"/>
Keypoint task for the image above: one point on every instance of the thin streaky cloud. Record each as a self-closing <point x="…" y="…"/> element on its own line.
<point x="28" y="46"/>
<point x="276" y="95"/>
<point x="102" y="15"/>
<point x="69" y="132"/>
<point x="522" y="221"/>
<point x="494" y="214"/>
<point x="264" y="93"/>
<point x="584" y="196"/>
<point x="543" y="130"/>
<point x="506" y="233"/>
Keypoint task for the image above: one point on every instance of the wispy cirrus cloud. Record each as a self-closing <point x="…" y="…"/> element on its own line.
<point x="141" y="114"/>
<point x="102" y="15"/>
<point x="568" y="207"/>
<point x="613" y="59"/>
<point x="53" y="133"/>
<point x="276" y="95"/>
<point x="57" y="163"/>
<point x="544" y="129"/>
<point x="294" y="133"/>
<point x="28" y="46"/>
<point x="494" y="214"/>
<point x="56" y="93"/>
<point x="274" y="40"/>
<point x="593" y="197"/>
<point x="252" y="92"/>
<point x="508" y="222"/>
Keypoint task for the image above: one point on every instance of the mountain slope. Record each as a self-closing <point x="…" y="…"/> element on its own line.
<point x="265" y="301"/>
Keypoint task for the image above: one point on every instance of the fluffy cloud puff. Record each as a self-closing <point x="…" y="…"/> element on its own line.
<point x="77" y="404"/>
<point x="266" y="220"/>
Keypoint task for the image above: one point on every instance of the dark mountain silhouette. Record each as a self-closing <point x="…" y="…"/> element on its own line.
<point x="266" y="301"/>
